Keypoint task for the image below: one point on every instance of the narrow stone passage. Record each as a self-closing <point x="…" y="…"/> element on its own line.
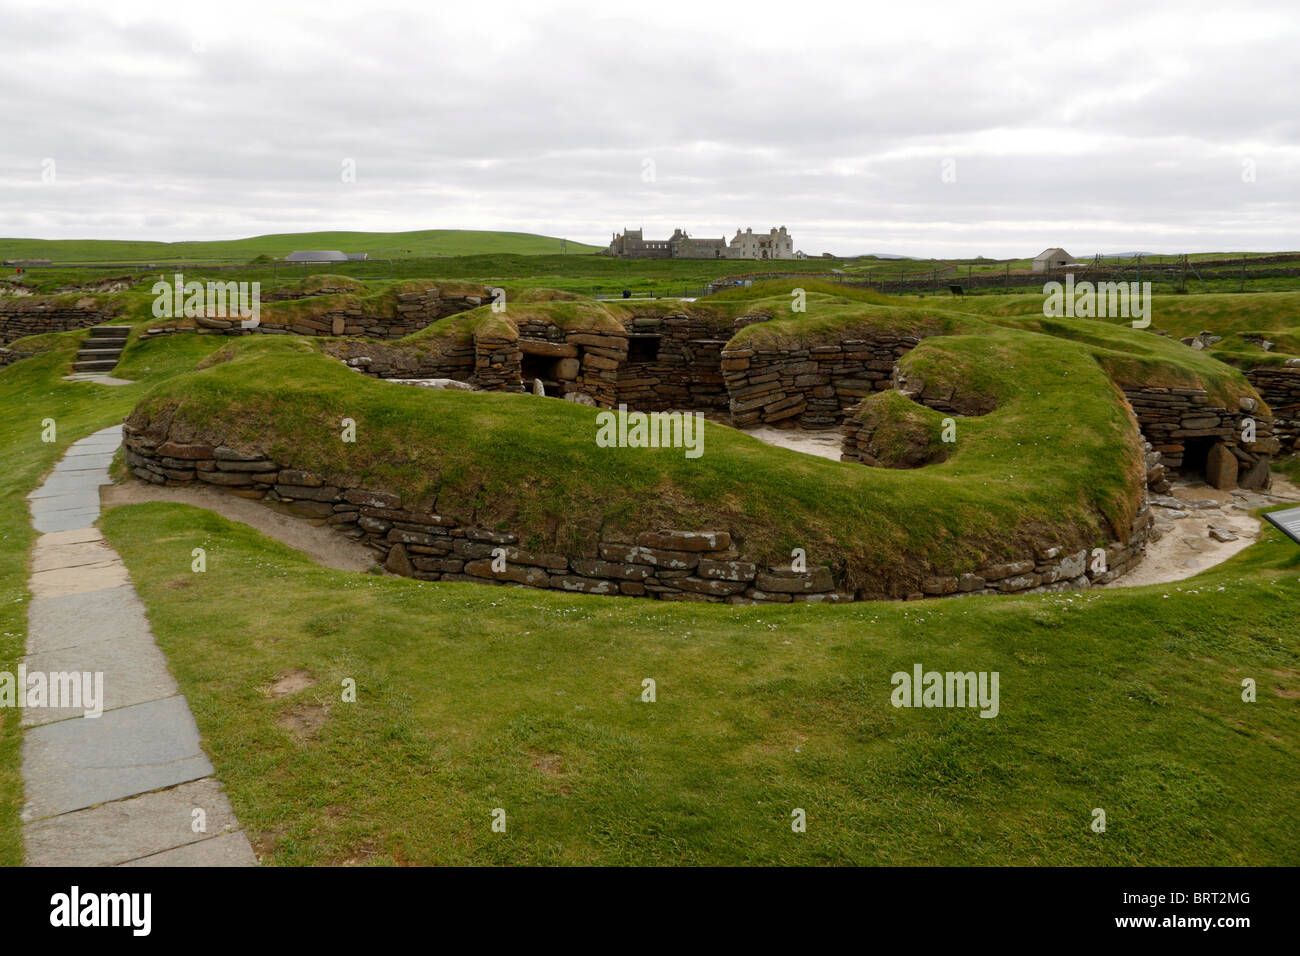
<point x="126" y="787"/>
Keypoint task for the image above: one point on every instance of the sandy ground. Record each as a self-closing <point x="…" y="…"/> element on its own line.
<point x="824" y="444"/>
<point x="313" y="537"/>
<point x="1185" y="546"/>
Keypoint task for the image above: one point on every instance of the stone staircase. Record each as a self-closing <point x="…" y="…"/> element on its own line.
<point x="102" y="350"/>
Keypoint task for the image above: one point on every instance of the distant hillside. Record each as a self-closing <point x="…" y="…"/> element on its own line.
<point x="384" y="245"/>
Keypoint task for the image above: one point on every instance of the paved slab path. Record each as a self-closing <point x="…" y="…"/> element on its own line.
<point x="122" y="788"/>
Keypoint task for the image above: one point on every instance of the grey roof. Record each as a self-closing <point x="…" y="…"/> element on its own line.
<point x="1053" y="254"/>
<point x="317" y="255"/>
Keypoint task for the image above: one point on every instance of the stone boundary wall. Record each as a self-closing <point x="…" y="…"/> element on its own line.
<point x="1168" y="417"/>
<point x="389" y="361"/>
<point x="686" y="372"/>
<point x="812" y="387"/>
<point x="668" y="565"/>
<point x="576" y="364"/>
<point x="413" y="312"/>
<point x="1279" y="385"/>
<point x="286" y="295"/>
<point x="9" y="356"/>
<point x="33" y="315"/>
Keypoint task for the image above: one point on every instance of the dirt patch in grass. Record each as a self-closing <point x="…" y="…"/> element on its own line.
<point x="304" y="721"/>
<point x="290" y="683"/>
<point x="550" y="765"/>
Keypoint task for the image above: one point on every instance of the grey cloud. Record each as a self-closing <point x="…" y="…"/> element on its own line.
<point x="1118" y="130"/>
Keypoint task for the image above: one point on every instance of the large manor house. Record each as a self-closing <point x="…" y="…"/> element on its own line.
<point x="776" y="244"/>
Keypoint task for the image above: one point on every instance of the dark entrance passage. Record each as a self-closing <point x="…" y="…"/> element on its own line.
<point x="534" y="367"/>
<point x="1196" y="451"/>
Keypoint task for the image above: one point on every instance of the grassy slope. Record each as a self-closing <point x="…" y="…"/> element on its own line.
<point x="1046" y="464"/>
<point x="393" y="245"/>
<point x="1275" y="315"/>
<point x="475" y="456"/>
<point x="31" y="391"/>
<point x="473" y="698"/>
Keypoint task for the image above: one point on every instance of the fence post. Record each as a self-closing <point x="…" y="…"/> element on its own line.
<point x="1006" y="280"/>
<point x="1243" y="273"/>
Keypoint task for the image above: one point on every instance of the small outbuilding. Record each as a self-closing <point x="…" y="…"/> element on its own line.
<point x="1050" y="259"/>
<point x="316" y="255"/>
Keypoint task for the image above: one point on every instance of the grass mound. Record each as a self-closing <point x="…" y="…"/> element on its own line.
<point x="1046" y="462"/>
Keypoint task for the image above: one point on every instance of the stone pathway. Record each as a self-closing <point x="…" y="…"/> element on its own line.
<point x="97" y="377"/>
<point x="121" y="788"/>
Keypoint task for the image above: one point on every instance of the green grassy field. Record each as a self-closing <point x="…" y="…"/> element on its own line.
<point x="474" y="697"/>
<point x="425" y="243"/>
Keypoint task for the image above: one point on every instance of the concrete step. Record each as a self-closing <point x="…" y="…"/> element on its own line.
<point x="94" y="365"/>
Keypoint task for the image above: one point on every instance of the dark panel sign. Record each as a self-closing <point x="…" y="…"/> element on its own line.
<point x="1288" y="522"/>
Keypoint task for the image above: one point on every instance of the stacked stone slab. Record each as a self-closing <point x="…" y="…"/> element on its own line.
<point x="36" y="315"/>
<point x="1279" y="386"/>
<point x="668" y="565"/>
<point x="1049" y="568"/>
<point x="812" y="387"/>
<point x="442" y="359"/>
<point x="413" y="311"/>
<point x="581" y="364"/>
<point x="9" y="356"/>
<point x="686" y="372"/>
<point x="1170" y="416"/>
<point x="578" y="364"/>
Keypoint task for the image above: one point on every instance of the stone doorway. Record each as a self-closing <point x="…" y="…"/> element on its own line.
<point x="1196" y="452"/>
<point x="535" y="367"/>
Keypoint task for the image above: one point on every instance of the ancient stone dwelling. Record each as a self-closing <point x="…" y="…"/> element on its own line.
<point x="657" y="362"/>
<point x="774" y="244"/>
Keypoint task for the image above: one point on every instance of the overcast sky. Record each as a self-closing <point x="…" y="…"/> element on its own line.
<point x="911" y="128"/>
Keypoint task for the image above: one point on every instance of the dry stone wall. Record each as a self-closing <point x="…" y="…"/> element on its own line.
<point x="1181" y="421"/>
<point x="580" y="365"/>
<point x="412" y="312"/>
<point x="811" y="387"/>
<point x="669" y="565"/>
<point x="1279" y="386"/>
<point x="9" y="356"/>
<point x="445" y="359"/>
<point x="36" y="315"/>
<point x="673" y="362"/>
